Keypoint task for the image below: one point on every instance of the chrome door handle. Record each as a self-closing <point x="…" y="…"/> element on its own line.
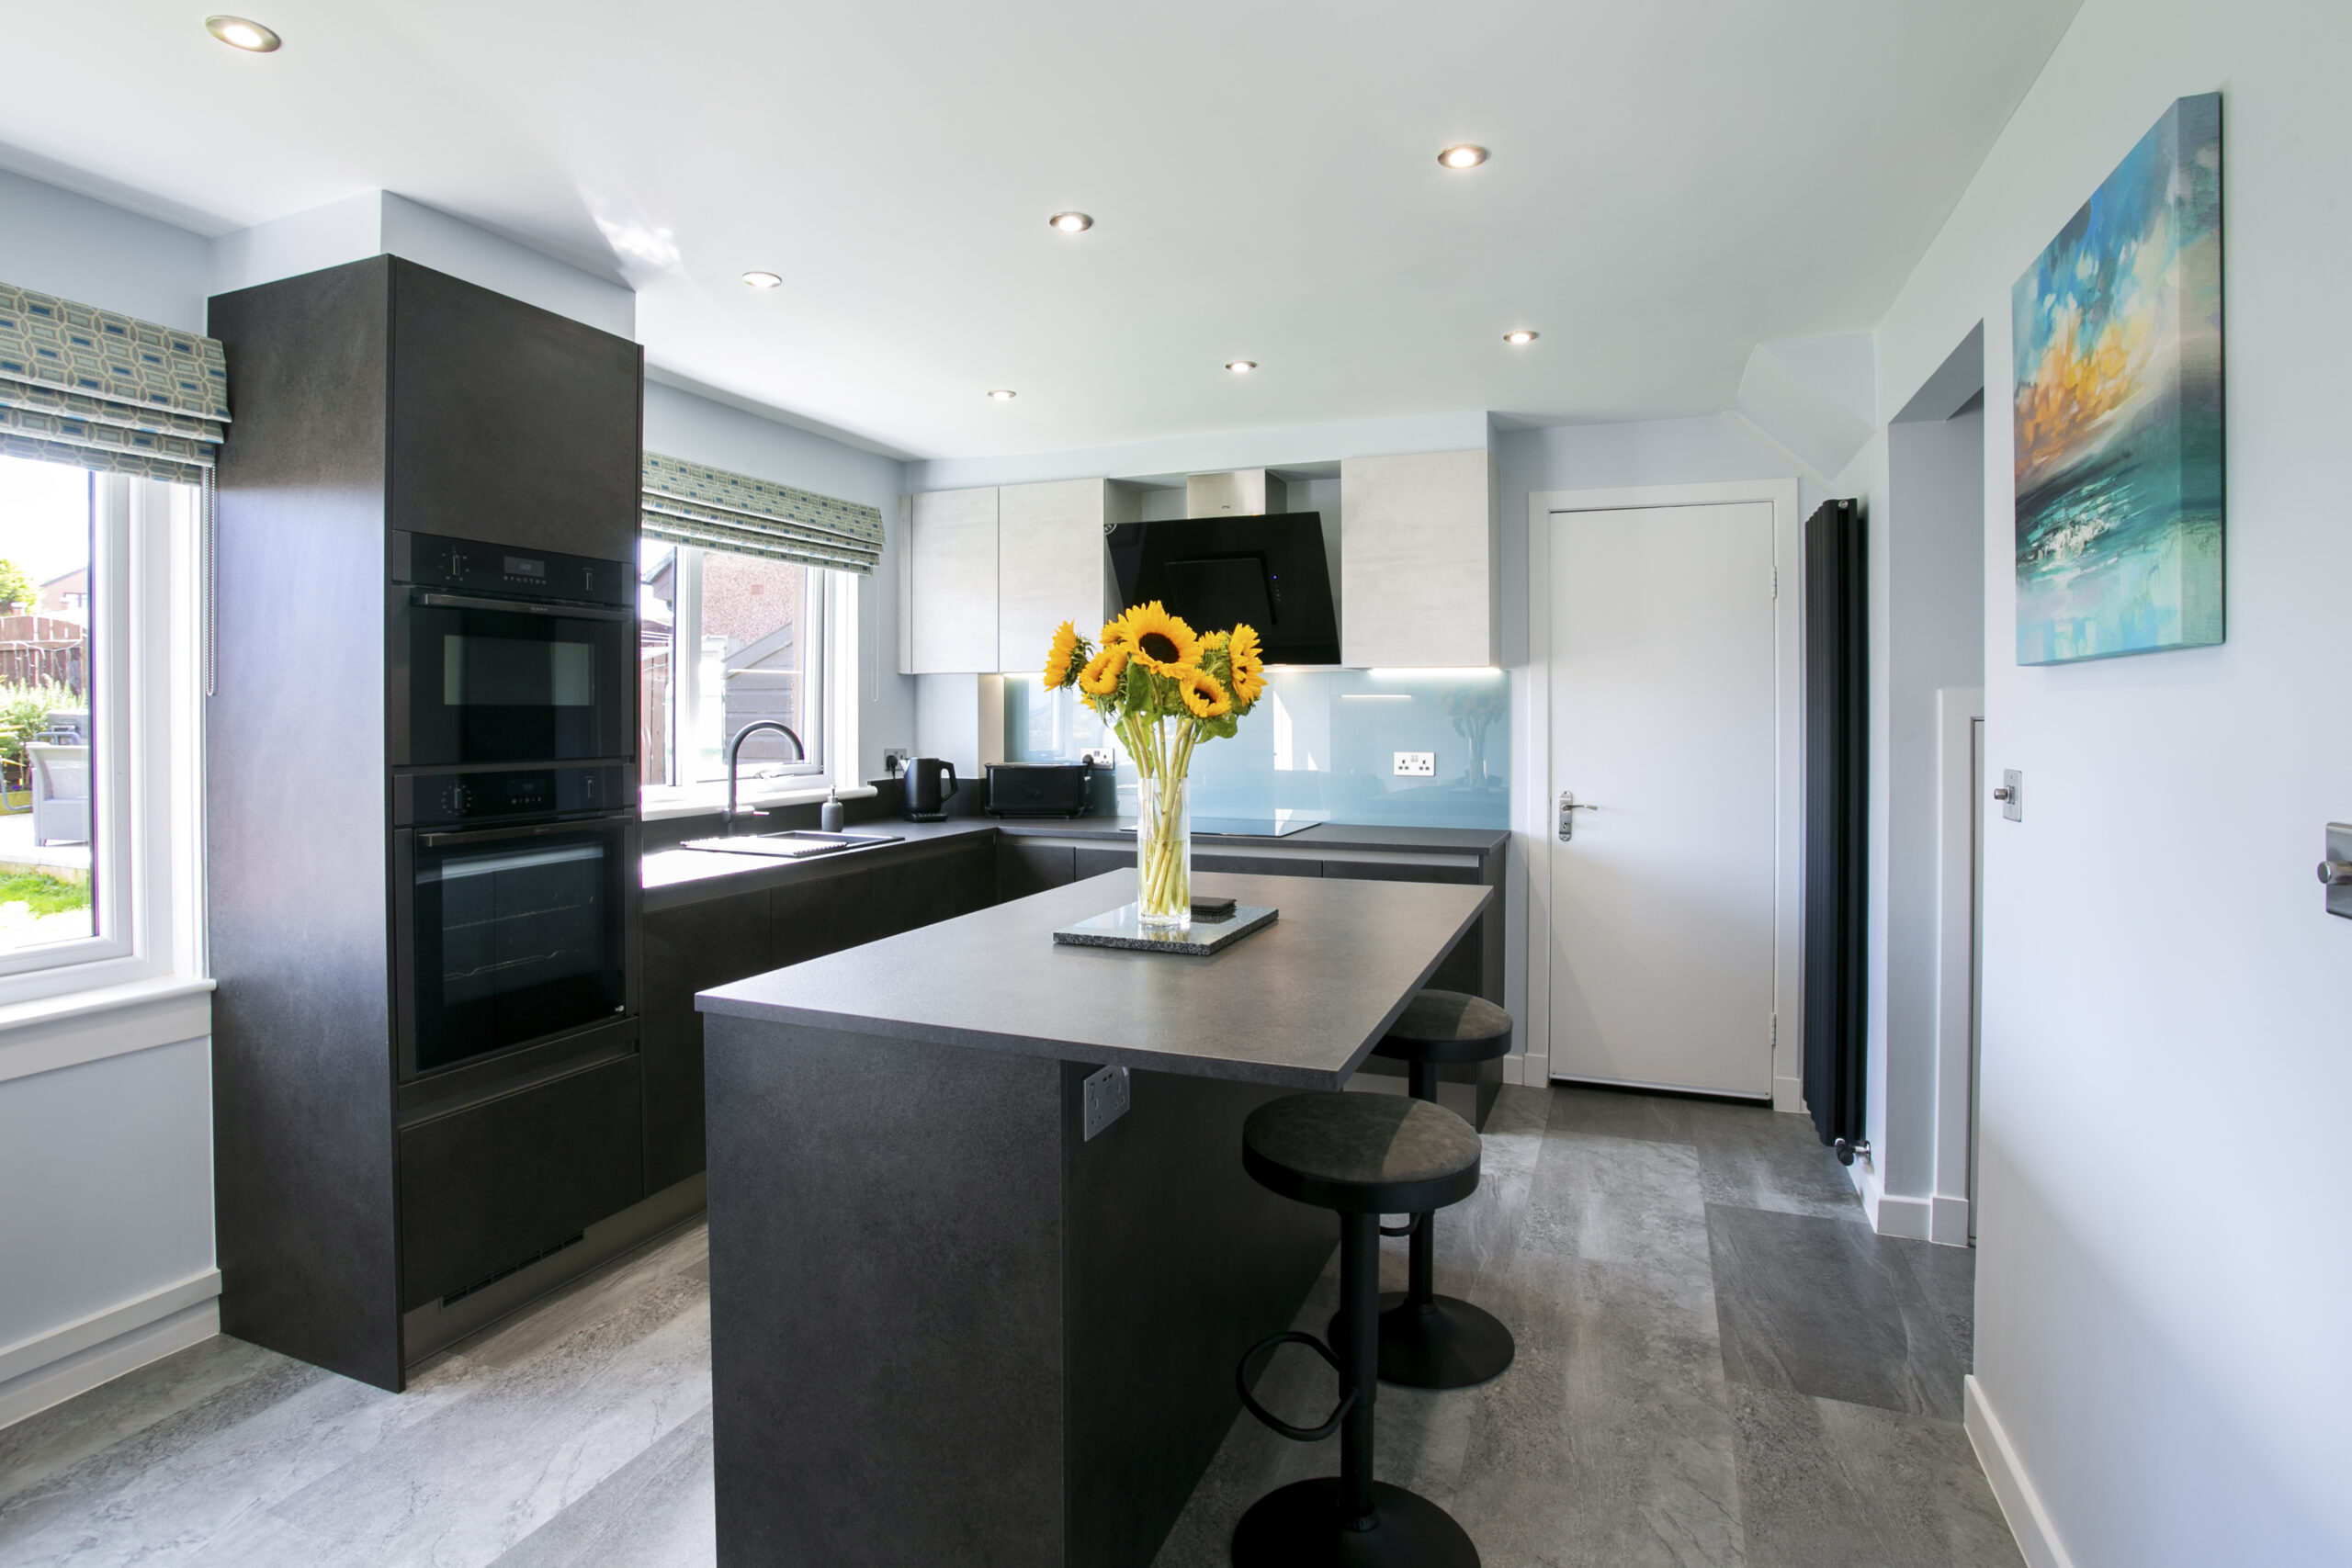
<point x="1569" y="806"/>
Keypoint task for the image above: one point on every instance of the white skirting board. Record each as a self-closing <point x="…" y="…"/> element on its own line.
<point x="2020" y="1503"/>
<point x="1890" y="1215"/>
<point x="53" y="1366"/>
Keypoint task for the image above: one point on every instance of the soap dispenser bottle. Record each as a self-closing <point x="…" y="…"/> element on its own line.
<point x="829" y="816"/>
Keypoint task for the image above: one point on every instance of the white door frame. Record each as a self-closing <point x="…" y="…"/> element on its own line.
<point x="1535" y="789"/>
<point x="1958" y="711"/>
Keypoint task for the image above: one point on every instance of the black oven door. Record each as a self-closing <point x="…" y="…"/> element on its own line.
<point x="509" y="681"/>
<point x="509" y="935"/>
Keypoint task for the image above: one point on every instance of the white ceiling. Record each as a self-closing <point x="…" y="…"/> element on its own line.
<point x="1673" y="181"/>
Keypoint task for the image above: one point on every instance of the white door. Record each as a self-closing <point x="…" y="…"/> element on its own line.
<point x="1663" y="721"/>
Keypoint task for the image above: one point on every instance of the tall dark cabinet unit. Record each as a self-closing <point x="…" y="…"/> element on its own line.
<point x="358" y="1201"/>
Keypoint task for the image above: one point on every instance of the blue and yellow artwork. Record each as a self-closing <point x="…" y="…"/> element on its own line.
<point x="2117" y="335"/>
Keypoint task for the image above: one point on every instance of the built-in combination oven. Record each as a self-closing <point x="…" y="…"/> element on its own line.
<point x="501" y="655"/>
<point x="513" y="891"/>
<point x="511" y="720"/>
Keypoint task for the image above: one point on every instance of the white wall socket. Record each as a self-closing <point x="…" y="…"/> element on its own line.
<point x="1416" y="764"/>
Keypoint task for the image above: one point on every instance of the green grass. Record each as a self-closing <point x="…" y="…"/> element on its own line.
<point x="47" y="894"/>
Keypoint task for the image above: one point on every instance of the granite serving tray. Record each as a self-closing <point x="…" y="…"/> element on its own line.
<point x="1123" y="927"/>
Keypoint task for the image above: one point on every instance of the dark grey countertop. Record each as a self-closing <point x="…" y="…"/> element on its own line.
<point x="673" y="876"/>
<point x="1299" y="1004"/>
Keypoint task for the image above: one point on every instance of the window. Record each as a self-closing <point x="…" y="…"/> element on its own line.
<point x="728" y="641"/>
<point x="98" y="702"/>
<point x="46" y="707"/>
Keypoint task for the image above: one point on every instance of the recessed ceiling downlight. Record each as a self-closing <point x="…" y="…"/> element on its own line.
<point x="1241" y="366"/>
<point x="239" y="33"/>
<point x="1520" y="338"/>
<point x="1002" y="394"/>
<point x="761" y="281"/>
<point x="1072" y="222"/>
<point x="1462" y="155"/>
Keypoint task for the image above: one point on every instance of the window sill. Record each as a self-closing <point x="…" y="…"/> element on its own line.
<point x="74" y="1027"/>
<point x="661" y="806"/>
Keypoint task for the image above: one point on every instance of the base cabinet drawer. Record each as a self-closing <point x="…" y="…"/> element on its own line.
<point x="495" y="1185"/>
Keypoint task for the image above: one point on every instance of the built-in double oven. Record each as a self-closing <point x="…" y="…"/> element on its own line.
<point x="511" y="720"/>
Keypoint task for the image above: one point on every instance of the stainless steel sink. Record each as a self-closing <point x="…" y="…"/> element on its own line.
<point x="790" y="843"/>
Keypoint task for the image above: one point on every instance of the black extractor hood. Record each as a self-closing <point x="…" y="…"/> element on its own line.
<point x="1267" y="568"/>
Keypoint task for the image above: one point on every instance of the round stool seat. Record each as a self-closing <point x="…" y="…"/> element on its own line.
<point x="1447" y="1026"/>
<point x="1362" y="1153"/>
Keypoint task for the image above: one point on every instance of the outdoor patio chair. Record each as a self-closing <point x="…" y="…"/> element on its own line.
<point x="60" y="793"/>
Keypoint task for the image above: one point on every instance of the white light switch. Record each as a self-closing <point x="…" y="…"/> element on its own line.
<point x="1416" y="764"/>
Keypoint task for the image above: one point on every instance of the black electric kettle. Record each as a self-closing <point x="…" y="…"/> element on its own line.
<point x="926" y="785"/>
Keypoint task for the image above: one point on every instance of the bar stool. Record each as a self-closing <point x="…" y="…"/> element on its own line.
<point x="1363" y="1156"/>
<point x="1428" y="1340"/>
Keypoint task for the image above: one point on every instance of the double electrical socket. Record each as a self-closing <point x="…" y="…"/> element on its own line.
<point x="1106" y="1098"/>
<point x="1416" y="764"/>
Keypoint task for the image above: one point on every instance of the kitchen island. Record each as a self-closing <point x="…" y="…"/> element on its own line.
<point x="946" y="1326"/>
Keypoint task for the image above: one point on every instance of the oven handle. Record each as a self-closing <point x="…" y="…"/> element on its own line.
<point x="533" y="830"/>
<point x="518" y="606"/>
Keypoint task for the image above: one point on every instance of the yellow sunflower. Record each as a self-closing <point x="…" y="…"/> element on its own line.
<point x="1248" y="664"/>
<point x="1204" y="695"/>
<point x="1062" y="663"/>
<point x="1102" y="671"/>
<point x="1115" y="634"/>
<point x="1213" y="641"/>
<point x="1163" y="644"/>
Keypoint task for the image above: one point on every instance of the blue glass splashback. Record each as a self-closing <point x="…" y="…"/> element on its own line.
<point x="1321" y="742"/>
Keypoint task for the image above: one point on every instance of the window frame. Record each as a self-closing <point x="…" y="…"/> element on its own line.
<point x="828" y="696"/>
<point x="146" y="788"/>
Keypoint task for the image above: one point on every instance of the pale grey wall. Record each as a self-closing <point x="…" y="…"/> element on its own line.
<point x="1927" y="569"/>
<point x="62" y="244"/>
<point x="2161" y="1269"/>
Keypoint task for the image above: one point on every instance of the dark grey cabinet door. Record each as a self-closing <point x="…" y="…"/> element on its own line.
<point x="813" y="919"/>
<point x="1094" y="861"/>
<point x="1023" y="866"/>
<point x="494" y="1185"/>
<point x="689" y="948"/>
<point x="923" y="890"/>
<point x="510" y="423"/>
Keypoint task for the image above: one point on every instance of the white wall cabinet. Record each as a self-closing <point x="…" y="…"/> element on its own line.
<point x="947" y="592"/>
<point x="1051" y="563"/>
<point x="1419" y="568"/>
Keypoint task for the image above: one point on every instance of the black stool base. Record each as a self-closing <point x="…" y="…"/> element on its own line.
<point x="1448" y="1344"/>
<point x="1299" y="1526"/>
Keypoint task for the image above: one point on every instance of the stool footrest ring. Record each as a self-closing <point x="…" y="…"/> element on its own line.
<point x="1409" y="1227"/>
<point x="1267" y="1347"/>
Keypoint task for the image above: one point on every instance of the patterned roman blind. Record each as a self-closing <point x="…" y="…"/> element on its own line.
<point x="687" y="503"/>
<point x="84" y="386"/>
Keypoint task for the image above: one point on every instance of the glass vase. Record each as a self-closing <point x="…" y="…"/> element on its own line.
<point x="1164" y="855"/>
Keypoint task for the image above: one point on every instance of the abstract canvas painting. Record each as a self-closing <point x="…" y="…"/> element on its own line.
<point x="2117" y="335"/>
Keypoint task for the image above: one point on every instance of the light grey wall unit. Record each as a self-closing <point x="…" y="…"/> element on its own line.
<point x="1420" y="574"/>
<point x="1051" y="566"/>
<point x="947" y="598"/>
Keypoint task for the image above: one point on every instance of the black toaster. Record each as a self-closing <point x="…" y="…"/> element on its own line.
<point x="1038" y="789"/>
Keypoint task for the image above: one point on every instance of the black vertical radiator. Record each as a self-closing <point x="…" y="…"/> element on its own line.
<point x="1837" y="816"/>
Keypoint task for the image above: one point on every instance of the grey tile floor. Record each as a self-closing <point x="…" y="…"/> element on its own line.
<point x="1718" y="1364"/>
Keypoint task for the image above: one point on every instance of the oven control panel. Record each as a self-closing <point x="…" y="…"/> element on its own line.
<point x="430" y="800"/>
<point x="431" y="560"/>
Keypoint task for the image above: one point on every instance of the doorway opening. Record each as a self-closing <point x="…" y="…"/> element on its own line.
<point x="1928" y="625"/>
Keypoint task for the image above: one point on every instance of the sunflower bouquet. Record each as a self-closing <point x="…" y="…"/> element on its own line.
<point x="1163" y="688"/>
